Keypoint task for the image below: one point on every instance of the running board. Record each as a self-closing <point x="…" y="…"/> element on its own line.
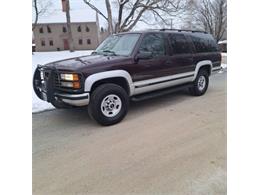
<point x="160" y="92"/>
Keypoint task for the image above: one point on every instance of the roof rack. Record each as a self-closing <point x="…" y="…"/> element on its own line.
<point x="181" y="30"/>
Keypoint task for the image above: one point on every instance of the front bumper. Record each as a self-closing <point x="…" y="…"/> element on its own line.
<point x="48" y="89"/>
<point x="73" y="99"/>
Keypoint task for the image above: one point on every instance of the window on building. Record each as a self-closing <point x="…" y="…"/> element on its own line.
<point x="179" y="44"/>
<point x="80" y="41"/>
<point x="41" y="30"/>
<point x="87" y="29"/>
<point x="51" y="42"/>
<point x="64" y="29"/>
<point x="79" y="28"/>
<point x="88" y="41"/>
<point x="153" y="43"/>
<point x="43" y="43"/>
<point x="48" y="29"/>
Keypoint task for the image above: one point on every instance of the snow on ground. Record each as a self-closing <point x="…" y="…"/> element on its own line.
<point x="43" y="58"/>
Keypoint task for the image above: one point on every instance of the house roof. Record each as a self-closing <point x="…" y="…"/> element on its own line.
<point x="58" y="16"/>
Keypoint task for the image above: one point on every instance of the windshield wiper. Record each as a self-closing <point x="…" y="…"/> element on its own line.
<point x="109" y="51"/>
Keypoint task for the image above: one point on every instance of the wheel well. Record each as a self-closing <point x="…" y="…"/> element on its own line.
<point x="115" y="80"/>
<point x="207" y="68"/>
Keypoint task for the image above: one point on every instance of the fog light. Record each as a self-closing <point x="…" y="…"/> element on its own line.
<point x="66" y="84"/>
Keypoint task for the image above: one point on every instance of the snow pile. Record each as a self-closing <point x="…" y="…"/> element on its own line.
<point x="43" y="58"/>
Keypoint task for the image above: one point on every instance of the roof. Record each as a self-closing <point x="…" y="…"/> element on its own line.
<point x="76" y="16"/>
<point x="164" y="31"/>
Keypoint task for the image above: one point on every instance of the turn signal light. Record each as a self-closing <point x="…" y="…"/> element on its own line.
<point x="76" y="85"/>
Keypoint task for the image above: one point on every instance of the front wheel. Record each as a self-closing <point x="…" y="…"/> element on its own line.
<point x="108" y="104"/>
<point x="200" y="85"/>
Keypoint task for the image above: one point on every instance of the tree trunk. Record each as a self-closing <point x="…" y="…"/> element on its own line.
<point x="70" y="39"/>
<point x="36" y="14"/>
<point x="109" y="16"/>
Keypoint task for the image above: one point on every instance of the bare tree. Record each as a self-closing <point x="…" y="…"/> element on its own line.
<point x="40" y="8"/>
<point x="211" y="16"/>
<point x="70" y="39"/>
<point x="130" y="12"/>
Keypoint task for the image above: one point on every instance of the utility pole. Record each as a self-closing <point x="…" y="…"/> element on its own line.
<point x="70" y="39"/>
<point x="109" y="16"/>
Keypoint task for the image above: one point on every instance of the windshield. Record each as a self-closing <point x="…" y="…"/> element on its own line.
<point x="118" y="44"/>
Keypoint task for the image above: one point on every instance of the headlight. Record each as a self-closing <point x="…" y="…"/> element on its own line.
<point x="69" y="77"/>
<point x="41" y="75"/>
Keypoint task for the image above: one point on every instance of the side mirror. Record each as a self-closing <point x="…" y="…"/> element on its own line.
<point x="144" y="55"/>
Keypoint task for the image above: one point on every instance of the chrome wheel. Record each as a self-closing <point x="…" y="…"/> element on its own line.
<point x="201" y="82"/>
<point x="111" y="105"/>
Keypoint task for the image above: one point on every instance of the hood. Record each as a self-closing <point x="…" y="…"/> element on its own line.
<point x="78" y="63"/>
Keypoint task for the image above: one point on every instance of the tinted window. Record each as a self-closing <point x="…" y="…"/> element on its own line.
<point x="179" y="44"/>
<point x="153" y="43"/>
<point x="205" y="43"/>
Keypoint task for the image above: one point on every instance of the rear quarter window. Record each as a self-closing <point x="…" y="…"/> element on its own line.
<point x="179" y="44"/>
<point x="204" y="43"/>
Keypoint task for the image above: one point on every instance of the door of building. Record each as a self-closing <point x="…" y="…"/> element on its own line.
<point x="66" y="44"/>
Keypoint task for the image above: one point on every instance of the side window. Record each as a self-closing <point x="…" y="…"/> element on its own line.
<point x="179" y="44"/>
<point x="204" y="44"/>
<point x="153" y="43"/>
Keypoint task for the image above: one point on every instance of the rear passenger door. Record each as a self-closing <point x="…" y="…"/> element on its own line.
<point x="181" y="56"/>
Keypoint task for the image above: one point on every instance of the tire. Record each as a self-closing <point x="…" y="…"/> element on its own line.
<point x="200" y="85"/>
<point x="108" y="104"/>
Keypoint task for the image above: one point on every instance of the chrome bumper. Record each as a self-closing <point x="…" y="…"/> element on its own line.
<point x="74" y="99"/>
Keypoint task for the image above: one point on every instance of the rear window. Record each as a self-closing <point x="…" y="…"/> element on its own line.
<point x="204" y="43"/>
<point x="179" y="44"/>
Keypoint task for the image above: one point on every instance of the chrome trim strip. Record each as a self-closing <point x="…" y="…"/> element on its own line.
<point x="166" y="84"/>
<point x="144" y="83"/>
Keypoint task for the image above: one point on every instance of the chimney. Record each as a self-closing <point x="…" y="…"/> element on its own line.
<point x="63" y="3"/>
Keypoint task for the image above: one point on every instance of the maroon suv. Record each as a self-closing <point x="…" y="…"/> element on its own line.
<point x="133" y="65"/>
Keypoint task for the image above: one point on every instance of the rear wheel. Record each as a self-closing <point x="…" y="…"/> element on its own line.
<point x="108" y="104"/>
<point x="200" y="85"/>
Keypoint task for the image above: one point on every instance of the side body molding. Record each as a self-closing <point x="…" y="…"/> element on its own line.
<point x="109" y="74"/>
<point x="200" y="64"/>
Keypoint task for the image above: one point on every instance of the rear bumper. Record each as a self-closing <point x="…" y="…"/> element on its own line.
<point x="73" y="99"/>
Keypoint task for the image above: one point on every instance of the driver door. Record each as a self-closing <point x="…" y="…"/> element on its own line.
<point x="156" y="66"/>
